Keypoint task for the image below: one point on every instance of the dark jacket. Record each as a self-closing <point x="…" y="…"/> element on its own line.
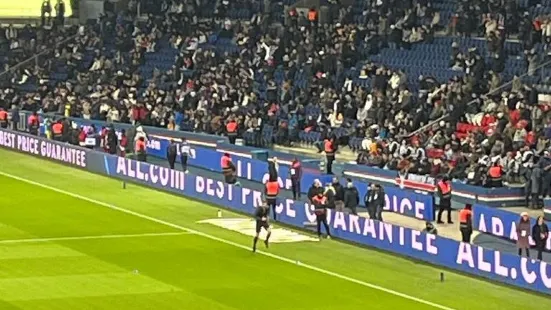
<point x="535" y="180"/>
<point x="172" y="151"/>
<point x="375" y="198"/>
<point x="272" y="171"/>
<point x="537" y="231"/>
<point x="330" y="194"/>
<point x="351" y="197"/>
<point x="339" y="191"/>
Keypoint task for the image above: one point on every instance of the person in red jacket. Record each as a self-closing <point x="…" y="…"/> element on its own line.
<point x="82" y="137"/>
<point x="123" y="144"/>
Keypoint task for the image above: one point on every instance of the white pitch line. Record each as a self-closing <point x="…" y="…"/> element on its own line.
<point x="38" y="240"/>
<point x="238" y="245"/>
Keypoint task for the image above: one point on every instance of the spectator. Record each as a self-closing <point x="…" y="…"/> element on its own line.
<point x="523" y="234"/>
<point x="540" y="233"/>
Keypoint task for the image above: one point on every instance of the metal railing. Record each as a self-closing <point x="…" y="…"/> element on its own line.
<point x="36" y="58"/>
<point x="436" y="121"/>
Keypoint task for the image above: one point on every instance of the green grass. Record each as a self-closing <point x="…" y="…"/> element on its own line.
<point x="190" y="271"/>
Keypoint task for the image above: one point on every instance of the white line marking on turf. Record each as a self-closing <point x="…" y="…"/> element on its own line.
<point x="196" y="232"/>
<point x="37" y="240"/>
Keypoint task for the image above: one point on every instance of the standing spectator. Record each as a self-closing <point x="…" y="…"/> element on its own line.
<point x="540" y="233"/>
<point x="535" y="186"/>
<point x="523" y="234"/>
<point x="171" y="153"/>
<point x="45" y="9"/>
<point x="369" y="201"/>
<point x="185" y="150"/>
<point x="15" y="118"/>
<point x="295" y="173"/>
<point x="351" y="197"/>
<point x="339" y="195"/>
<point x="273" y="170"/>
<point x="330" y="194"/>
<point x="60" y="13"/>
<point x="123" y="143"/>
<point x="379" y="202"/>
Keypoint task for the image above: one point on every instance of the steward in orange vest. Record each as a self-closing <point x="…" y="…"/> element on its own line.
<point x="3" y="119"/>
<point x="329" y="147"/>
<point x="312" y="15"/>
<point x="34" y="124"/>
<point x="57" y="131"/>
<point x="495" y="174"/>
<point x="444" y="192"/>
<point x="466" y="223"/>
<point x="271" y="192"/>
<point x="231" y="130"/>
<point x="228" y="168"/>
<point x="140" y="149"/>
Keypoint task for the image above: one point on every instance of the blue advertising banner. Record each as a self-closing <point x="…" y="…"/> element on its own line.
<point x="510" y="269"/>
<point x="61" y="152"/>
<point x="246" y="167"/>
<point x="500" y="223"/>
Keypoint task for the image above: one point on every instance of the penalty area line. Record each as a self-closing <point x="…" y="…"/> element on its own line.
<point x="79" y="238"/>
<point x="235" y="244"/>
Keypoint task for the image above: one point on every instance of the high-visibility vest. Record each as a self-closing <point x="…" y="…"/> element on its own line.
<point x="57" y="129"/>
<point x="272" y="190"/>
<point x="225" y="164"/>
<point x="495" y="173"/>
<point x="231" y="127"/>
<point x="465" y="216"/>
<point x="312" y="15"/>
<point x="140" y="146"/>
<point x="328" y="147"/>
<point x="33" y="120"/>
<point x="445" y="189"/>
<point x="319" y="203"/>
<point x="319" y="200"/>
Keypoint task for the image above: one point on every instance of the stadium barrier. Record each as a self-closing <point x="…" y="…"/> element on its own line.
<point x="475" y="260"/>
<point x="500" y="223"/>
<point x="461" y="193"/>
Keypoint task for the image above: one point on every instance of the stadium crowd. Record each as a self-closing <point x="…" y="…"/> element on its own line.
<point x="287" y="78"/>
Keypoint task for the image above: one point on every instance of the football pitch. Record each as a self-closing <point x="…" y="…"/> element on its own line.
<point x="75" y="240"/>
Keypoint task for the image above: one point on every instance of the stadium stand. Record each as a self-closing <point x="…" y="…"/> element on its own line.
<point x="428" y="87"/>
